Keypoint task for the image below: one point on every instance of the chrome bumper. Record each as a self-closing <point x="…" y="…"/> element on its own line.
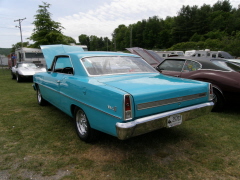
<point x="157" y="121"/>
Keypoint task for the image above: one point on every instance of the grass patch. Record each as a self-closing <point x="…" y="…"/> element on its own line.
<point x="40" y="143"/>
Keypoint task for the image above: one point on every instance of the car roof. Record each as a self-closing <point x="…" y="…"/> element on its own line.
<point x="50" y="51"/>
<point x="205" y="62"/>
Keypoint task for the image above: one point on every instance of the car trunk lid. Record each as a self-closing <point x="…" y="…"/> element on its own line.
<point x="155" y="93"/>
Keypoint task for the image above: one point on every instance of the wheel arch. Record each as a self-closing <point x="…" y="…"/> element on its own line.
<point x="219" y="90"/>
<point x="213" y="85"/>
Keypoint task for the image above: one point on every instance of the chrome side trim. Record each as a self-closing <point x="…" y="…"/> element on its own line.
<point x="144" y="125"/>
<point x="118" y="117"/>
<point x="169" y="101"/>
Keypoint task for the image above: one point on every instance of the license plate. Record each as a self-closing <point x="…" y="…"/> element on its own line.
<point x="174" y="120"/>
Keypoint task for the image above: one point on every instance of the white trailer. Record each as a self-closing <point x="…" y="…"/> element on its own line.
<point x="165" y="54"/>
<point x="33" y="55"/>
<point x="208" y="53"/>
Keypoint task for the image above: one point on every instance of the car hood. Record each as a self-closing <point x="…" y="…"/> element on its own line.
<point x="156" y="87"/>
<point x="30" y="71"/>
<point x="50" y="51"/>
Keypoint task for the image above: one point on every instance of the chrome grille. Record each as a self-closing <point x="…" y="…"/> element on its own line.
<point x="169" y="101"/>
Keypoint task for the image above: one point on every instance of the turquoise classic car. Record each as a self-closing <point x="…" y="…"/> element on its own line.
<point x="117" y="93"/>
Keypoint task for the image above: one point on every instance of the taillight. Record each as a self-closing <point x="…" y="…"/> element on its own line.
<point x="127" y="107"/>
<point x="210" y="92"/>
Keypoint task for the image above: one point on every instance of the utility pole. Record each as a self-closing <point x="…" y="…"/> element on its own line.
<point x="20" y="20"/>
<point x="107" y="44"/>
<point x="130" y="36"/>
<point x="115" y="43"/>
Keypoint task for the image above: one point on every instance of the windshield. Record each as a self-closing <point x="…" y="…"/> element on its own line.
<point x="116" y="65"/>
<point x="31" y="65"/>
<point x="227" y="65"/>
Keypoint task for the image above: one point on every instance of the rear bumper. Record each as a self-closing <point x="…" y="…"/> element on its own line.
<point x="157" y="121"/>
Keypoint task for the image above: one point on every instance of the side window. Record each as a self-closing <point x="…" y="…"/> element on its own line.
<point x="172" y="65"/>
<point x="63" y="65"/>
<point x="191" y="66"/>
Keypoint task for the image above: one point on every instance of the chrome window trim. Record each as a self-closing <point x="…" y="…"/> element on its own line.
<point x="54" y="64"/>
<point x="174" y="60"/>
<point x="115" y="73"/>
<point x="164" y="102"/>
<point x="193" y="61"/>
<point x="214" y="70"/>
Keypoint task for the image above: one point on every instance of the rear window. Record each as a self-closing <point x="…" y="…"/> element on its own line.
<point x="116" y="65"/>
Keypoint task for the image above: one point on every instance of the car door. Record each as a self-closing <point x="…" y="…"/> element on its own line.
<point x="171" y="67"/>
<point x="54" y="79"/>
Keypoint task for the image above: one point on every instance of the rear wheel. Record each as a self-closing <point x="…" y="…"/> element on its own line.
<point x="40" y="99"/>
<point x="83" y="128"/>
<point x="218" y="101"/>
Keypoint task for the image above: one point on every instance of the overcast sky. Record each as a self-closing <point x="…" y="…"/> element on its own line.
<point x="91" y="17"/>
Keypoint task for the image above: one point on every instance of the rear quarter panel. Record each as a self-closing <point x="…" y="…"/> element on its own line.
<point x="102" y="104"/>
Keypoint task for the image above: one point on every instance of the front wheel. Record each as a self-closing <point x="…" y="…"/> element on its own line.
<point x="83" y="128"/>
<point x="40" y="99"/>
<point x="218" y="101"/>
<point x="18" y="78"/>
<point x="13" y="75"/>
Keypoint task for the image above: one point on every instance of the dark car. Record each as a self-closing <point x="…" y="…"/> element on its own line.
<point x="224" y="76"/>
<point x="149" y="56"/>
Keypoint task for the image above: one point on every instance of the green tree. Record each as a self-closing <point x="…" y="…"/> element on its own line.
<point x="94" y="43"/>
<point x="121" y="37"/>
<point x="19" y="45"/>
<point x="151" y="32"/>
<point x="84" y="40"/>
<point x="46" y="30"/>
<point x="224" y="6"/>
<point x="68" y="39"/>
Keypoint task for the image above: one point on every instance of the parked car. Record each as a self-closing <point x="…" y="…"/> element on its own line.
<point x="234" y="61"/>
<point x="117" y="93"/>
<point x="23" y="71"/>
<point x="224" y="76"/>
<point x="151" y="57"/>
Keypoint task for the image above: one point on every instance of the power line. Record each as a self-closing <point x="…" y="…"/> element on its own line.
<point x="7" y="28"/>
<point x="20" y="20"/>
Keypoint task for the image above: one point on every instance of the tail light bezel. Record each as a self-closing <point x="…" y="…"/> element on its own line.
<point x="127" y="107"/>
<point x="210" y="92"/>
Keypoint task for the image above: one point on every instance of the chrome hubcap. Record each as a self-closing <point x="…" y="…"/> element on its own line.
<point x="39" y="96"/>
<point x="214" y="98"/>
<point x="81" y="122"/>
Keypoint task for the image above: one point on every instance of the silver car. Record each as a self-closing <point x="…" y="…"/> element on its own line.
<point x="23" y="71"/>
